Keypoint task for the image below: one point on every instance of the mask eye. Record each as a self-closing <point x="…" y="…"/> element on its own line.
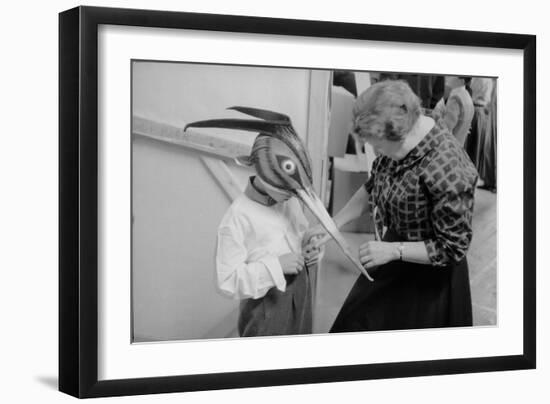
<point x="288" y="166"/>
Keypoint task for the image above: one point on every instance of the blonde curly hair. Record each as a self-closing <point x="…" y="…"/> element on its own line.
<point x="387" y="109"/>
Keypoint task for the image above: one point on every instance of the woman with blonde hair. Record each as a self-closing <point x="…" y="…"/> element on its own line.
<point x="421" y="193"/>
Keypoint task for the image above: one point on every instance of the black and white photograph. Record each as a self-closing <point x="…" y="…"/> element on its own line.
<point x="278" y="201"/>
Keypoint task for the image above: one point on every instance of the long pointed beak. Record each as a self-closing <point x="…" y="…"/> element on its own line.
<point x="314" y="204"/>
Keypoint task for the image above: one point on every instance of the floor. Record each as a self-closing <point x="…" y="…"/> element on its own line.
<point x="334" y="284"/>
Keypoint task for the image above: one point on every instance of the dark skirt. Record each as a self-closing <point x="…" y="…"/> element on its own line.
<point x="481" y="144"/>
<point x="279" y="313"/>
<point x="476" y="137"/>
<point x="408" y="296"/>
<point x="488" y="166"/>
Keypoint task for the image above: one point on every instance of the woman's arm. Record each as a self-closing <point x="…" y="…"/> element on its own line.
<point x="451" y="218"/>
<point x="452" y="212"/>
<point x="375" y="253"/>
<point x="414" y="251"/>
<point x="355" y="207"/>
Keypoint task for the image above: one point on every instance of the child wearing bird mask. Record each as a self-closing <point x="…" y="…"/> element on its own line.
<point x="260" y="260"/>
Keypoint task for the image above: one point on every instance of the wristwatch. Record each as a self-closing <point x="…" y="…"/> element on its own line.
<point x="401" y="247"/>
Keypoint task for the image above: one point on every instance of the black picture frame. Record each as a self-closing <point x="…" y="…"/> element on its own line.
<point x="78" y="201"/>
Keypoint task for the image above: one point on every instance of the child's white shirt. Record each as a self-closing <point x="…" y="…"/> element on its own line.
<point x="251" y="237"/>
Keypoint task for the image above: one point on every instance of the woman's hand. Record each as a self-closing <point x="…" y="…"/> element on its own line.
<point x="375" y="253"/>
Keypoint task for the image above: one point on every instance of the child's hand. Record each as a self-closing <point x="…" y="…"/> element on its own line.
<point x="292" y="264"/>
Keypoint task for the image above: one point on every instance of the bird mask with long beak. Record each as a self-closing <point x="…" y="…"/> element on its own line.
<point x="281" y="160"/>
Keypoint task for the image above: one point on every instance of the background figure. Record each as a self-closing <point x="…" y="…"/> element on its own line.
<point x="458" y="111"/>
<point x="481" y="143"/>
<point x="489" y="167"/>
<point x="376" y="77"/>
<point x="345" y="79"/>
<point x="427" y="87"/>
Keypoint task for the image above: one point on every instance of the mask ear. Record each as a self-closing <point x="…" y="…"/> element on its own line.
<point x="244" y="161"/>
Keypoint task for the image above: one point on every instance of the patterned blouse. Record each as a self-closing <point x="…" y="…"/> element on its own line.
<point x="427" y="196"/>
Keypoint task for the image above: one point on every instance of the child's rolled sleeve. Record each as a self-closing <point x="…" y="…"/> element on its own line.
<point x="274" y="275"/>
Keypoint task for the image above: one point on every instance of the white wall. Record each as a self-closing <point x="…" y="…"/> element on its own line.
<point x="28" y="203"/>
<point x="179" y="93"/>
